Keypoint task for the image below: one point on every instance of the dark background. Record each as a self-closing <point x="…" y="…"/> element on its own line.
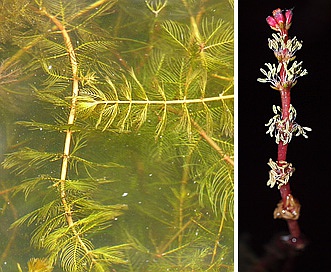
<point x="310" y="182"/>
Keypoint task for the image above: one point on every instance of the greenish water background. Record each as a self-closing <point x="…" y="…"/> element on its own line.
<point x="149" y="176"/>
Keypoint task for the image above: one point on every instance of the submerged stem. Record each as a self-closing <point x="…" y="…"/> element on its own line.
<point x="68" y="138"/>
<point x="220" y="229"/>
<point x="207" y="138"/>
<point x="212" y="143"/>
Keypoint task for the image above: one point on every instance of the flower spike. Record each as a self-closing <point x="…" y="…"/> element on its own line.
<point x="282" y="76"/>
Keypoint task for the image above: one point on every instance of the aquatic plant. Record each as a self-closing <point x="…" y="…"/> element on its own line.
<point x="126" y="154"/>
<point x="282" y="126"/>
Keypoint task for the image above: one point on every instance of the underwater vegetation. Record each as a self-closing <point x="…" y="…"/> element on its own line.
<point x="117" y="141"/>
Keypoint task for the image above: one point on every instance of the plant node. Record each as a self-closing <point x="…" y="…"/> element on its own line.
<point x="283" y="129"/>
<point x="291" y="209"/>
<point x="280" y="173"/>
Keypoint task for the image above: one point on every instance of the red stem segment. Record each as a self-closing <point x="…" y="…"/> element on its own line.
<point x="285" y="190"/>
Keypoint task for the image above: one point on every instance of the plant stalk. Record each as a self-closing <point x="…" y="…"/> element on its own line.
<point x="68" y="138"/>
<point x="283" y="78"/>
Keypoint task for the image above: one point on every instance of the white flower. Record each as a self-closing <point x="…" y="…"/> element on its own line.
<point x="283" y="129"/>
<point x="280" y="173"/>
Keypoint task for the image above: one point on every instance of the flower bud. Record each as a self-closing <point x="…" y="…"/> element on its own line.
<point x="279" y="17"/>
<point x="288" y="18"/>
<point x="272" y="23"/>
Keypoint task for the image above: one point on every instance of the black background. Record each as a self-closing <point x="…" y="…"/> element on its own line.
<point x="310" y="182"/>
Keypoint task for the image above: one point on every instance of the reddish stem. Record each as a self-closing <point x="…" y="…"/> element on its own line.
<point x="282" y="149"/>
<point x="285" y="189"/>
<point x="286" y="102"/>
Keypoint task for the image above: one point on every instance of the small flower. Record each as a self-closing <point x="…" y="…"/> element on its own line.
<point x="279" y="21"/>
<point x="272" y="75"/>
<point x="279" y="17"/>
<point x="272" y="23"/>
<point x="293" y="73"/>
<point x="280" y="173"/>
<point x="288" y="16"/>
<point x="290" y="75"/>
<point x="291" y="209"/>
<point x="283" y="130"/>
<point x="284" y="52"/>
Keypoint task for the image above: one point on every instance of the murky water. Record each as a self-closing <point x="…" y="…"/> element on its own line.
<point x="116" y="135"/>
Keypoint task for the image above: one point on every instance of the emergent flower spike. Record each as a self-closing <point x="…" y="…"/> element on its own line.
<point x="282" y="77"/>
